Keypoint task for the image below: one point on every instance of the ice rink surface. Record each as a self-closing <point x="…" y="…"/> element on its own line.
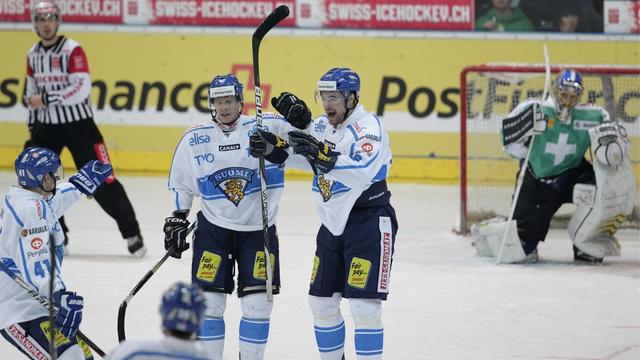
<point x="445" y="303"/>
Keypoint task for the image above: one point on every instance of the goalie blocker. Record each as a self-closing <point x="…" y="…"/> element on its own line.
<point x="600" y="209"/>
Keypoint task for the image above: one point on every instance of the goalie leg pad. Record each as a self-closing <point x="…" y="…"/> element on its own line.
<point x="479" y="239"/>
<point x="328" y="326"/>
<point x="493" y="230"/>
<point x="593" y="235"/>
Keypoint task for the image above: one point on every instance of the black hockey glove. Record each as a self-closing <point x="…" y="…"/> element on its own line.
<point x="175" y="235"/>
<point x="317" y="153"/>
<point x="293" y="109"/>
<point x="269" y="145"/>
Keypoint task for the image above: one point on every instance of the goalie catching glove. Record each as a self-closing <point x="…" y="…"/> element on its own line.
<point x="610" y="143"/>
<point x="293" y="109"/>
<point x="175" y="234"/>
<point x="91" y="176"/>
<point x="319" y="155"/>
<point x="269" y="145"/>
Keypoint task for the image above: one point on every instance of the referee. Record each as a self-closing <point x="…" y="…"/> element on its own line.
<point x="57" y="92"/>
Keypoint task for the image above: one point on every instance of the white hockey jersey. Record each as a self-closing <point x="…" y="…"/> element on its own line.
<point x="167" y="348"/>
<point x="28" y="222"/>
<point x="218" y="168"/>
<point x="365" y="159"/>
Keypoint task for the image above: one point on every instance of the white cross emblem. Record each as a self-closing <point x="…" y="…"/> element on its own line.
<point x="561" y="149"/>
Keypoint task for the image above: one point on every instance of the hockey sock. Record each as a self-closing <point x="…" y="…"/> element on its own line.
<point x="211" y="335"/>
<point x="368" y="343"/>
<point x="330" y="340"/>
<point x="253" y="338"/>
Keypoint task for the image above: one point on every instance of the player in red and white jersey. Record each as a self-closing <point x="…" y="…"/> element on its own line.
<point x="58" y="92"/>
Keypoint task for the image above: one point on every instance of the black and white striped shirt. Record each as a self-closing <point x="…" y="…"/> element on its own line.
<point x="62" y="72"/>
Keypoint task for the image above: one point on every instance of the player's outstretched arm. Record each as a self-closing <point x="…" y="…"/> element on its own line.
<point x="91" y="176"/>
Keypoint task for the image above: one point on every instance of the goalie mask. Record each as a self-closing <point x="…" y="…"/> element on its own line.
<point x="225" y="100"/>
<point x="338" y="84"/>
<point x="33" y="164"/>
<point x="567" y="91"/>
<point x="43" y="12"/>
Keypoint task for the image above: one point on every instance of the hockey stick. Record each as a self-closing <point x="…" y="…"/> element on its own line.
<point x="122" y="310"/>
<point x="52" y="311"/>
<point x="45" y="303"/>
<point x="523" y="167"/>
<point x="279" y="14"/>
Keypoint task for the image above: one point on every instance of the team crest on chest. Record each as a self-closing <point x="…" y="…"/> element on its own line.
<point x="232" y="182"/>
<point x="325" y="186"/>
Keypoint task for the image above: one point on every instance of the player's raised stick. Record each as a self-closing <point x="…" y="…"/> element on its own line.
<point x="279" y="14"/>
<point x="523" y="167"/>
<point x="44" y="302"/>
<point x="122" y="310"/>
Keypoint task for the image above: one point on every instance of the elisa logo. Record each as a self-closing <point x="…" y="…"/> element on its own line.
<point x="197" y="139"/>
<point x="36" y="243"/>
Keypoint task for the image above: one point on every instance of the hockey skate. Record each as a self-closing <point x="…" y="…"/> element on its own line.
<point x="581" y="257"/>
<point x="136" y="246"/>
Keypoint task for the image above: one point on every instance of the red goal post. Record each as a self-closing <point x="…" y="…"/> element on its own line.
<point x="489" y="92"/>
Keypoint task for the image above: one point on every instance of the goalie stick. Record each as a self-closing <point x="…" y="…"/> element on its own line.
<point x="122" y="310"/>
<point x="45" y="303"/>
<point x="523" y="168"/>
<point x="279" y="14"/>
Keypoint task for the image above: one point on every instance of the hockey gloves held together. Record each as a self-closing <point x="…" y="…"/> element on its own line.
<point x="293" y="109"/>
<point x="317" y="153"/>
<point x="91" y="176"/>
<point x="269" y="145"/>
<point x="175" y="235"/>
<point x="69" y="315"/>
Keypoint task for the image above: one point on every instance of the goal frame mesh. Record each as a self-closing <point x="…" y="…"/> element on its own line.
<point x="539" y="70"/>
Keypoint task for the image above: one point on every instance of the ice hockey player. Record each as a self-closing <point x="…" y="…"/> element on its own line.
<point x="182" y="312"/>
<point x="211" y="161"/>
<point x="348" y="151"/>
<point x="28" y="223"/>
<point x="558" y="173"/>
<point x="58" y="89"/>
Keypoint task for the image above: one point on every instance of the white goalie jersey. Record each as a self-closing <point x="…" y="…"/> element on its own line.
<point x="28" y="222"/>
<point x="365" y="160"/>
<point x="218" y="168"/>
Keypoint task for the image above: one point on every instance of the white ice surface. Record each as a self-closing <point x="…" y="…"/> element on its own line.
<point x="445" y="303"/>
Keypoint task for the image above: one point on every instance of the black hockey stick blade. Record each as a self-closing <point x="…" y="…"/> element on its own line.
<point x="277" y="15"/>
<point x="122" y="309"/>
<point x="515" y="127"/>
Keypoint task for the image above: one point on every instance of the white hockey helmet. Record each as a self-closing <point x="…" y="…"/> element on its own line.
<point x="46" y="10"/>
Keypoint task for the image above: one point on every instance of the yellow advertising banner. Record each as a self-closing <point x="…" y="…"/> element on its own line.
<point x="149" y="87"/>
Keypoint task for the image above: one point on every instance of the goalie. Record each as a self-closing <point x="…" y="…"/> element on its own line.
<point x="557" y="173"/>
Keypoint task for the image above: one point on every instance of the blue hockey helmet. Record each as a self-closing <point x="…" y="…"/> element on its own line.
<point x="225" y="85"/>
<point x="567" y="91"/>
<point x="182" y="308"/>
<point x="34" y="163"/>
<point x="340" y="79"/>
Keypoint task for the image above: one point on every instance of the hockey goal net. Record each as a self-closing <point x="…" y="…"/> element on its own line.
<point x="490" y="92"/>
